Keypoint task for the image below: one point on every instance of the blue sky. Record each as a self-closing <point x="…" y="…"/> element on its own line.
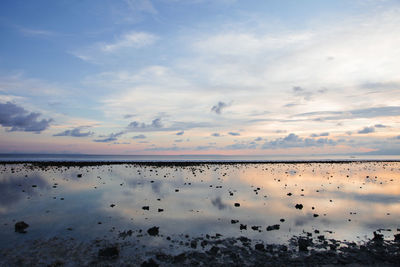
<point x="200" y="77"/>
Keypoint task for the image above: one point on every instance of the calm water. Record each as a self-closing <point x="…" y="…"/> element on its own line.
<point x="349" y="200"/>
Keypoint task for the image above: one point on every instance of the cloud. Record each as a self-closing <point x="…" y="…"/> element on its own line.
<point x="354" y="114"/>
<point x="76" y="132"/>
<point x="180" y="133"/>
<point x="140" y="136"/>
<point x="128" y="116"/>
<point x="219" y="107"/>
<point x="293" y="140"/>
<point x="157" y="125"/>
<point x="234" y="133"/>
<point x="258" y="139"/>
<point x="321" y="134"/>
<point x="36" y="32"/>
<point x="109" y="138"/>
<point x="141" y="126"/>
<point x="141" y="6"/>
<point x="129" y="40"/>
<point x="380" y="126"/>
<point x="16" y="118"/>
<point x="215" y="134"/>
<point x="367" y="130"/>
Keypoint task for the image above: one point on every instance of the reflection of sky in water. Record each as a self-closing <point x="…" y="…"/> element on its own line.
<point x="351" y="200"/>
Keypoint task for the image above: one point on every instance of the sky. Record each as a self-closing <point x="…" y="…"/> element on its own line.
<point x="227" y="77"/>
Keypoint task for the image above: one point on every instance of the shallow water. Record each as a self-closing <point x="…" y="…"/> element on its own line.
<point x="343" y="201"/>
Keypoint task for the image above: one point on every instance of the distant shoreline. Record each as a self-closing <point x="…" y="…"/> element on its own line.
<point x="183" y="163"/>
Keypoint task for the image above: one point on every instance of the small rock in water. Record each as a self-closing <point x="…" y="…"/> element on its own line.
<point x="79" y="175"/>
<point x="243" y="227"/>
<point x="160" y="210"/>
<point x="237" y="204"/>
<point x="153" y="231"/>
<point x="109" y="253"/>
<point x="145" y="207"/>
<point x="20" y="227"/>
<point x="397" y="237"/>
<point x="299" y="206"/>
<point x="112" y="205"/>
<point x="234" y="221"/>
<point x="273" y="227"/>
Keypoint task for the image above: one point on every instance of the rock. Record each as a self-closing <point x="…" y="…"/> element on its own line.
<point x="237" y="204"/>
<point x="79" y="175"/>
<point x="303" y="243"/>
<point x="255" y="228"/>
<point x="149" y="263"/>
<point x="145" y="207"/>
<point x="193" y="244"/>
<point x="20" y="227"/>
<point x="109" y="253"/>
<point x="112" y="205"/>
<point x="259" y="247"/>
<point x="153" y="231"/>
<point x="160" y="210"/>
<point x="273" y="227"/>
<point x="282" y="220"/>
<point x="377" y="237"/>
<point x="315" y="215"/>
<point x="234" y="221"/>
<point x="243" y="227"/>
<point x="299" y="206"/>
<point x="397" y="237"/>
<point x="214" y="250"/>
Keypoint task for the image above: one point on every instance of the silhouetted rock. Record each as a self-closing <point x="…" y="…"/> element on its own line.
<point x="259" y="247"/>
<point x="20" y="227"/>
<point x="153" y="231"/>
<point x="243" y="227"/>
<point x="299" y="206"/>
<point x="149" y="263"/>
<point x="273" y="227"/>
<point x="237" y="204"/>
<point x="303" y="243"/>
<point x="109" y="253"/>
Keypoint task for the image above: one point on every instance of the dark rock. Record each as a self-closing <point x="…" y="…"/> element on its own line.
<point x="214" y="250"/>
<point x="149" y="263"/>
<point x="153" y="231"/>
<point x="315" y="215"/>
<point x="237" y="204"/>
<point x="20" y="227"/>
<point x="193" y="244"/>
<point x="243" y="227"/>
<point x="112" y="205"/>
<point x="282" y="220"/>
<point x="79" y="175"/>
<point x="397" y="237"/>
<point x="234" y="221"/>
<point x="145" y="207"/>
<point x="273" y="227"/>
<point x="109" y="253"/>
<point x="289" y="194"/>
<point x="377" y="237"/>
<point x="259" y="247"/>
<point x="303" y="243"/>
<point x="299" y="206"/>
<point x="160" y="210"/>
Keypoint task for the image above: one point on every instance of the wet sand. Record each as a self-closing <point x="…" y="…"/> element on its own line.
<point x="199" y="213"/>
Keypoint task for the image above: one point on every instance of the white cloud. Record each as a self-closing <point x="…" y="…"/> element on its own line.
<point x="130" y="40"/>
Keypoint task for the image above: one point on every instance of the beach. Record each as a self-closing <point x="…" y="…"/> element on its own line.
<point x="199" y="213"/>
